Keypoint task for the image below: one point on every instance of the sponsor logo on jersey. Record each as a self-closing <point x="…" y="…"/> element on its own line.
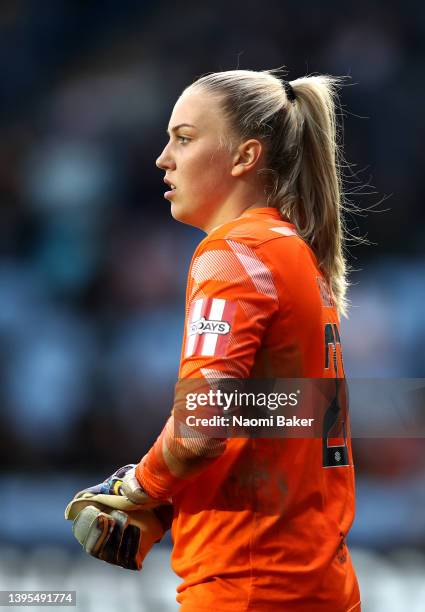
<point x="209" y="327"/>
<point x="204" y="326"/>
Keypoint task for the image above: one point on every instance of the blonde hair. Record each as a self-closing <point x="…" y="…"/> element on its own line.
<point x="303" y="160"/>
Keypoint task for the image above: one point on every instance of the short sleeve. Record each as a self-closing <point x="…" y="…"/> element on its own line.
<point x="231" y="299"/>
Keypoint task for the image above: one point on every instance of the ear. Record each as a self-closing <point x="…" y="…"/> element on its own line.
<point x="246" y="157"/>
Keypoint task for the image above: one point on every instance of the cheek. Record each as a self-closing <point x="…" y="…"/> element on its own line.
<point x="205" y="184"/>
<point x="211" y="170"/>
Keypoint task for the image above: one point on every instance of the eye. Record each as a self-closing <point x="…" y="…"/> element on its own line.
<point x="183" y="139"/>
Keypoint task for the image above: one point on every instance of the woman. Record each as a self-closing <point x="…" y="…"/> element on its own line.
<point x="259" y="524"/>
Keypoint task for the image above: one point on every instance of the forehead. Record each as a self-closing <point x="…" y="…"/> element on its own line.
<point x="197" y="108"/>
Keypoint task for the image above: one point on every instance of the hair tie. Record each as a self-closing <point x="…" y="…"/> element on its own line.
<point x="289" y="90"/>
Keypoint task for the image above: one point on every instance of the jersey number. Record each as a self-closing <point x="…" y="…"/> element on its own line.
<point x="334" y="435"/>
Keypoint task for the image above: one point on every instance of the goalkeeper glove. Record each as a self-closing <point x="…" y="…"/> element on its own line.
<point x="114" y="529"/>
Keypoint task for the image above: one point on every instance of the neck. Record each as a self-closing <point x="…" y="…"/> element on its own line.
<point x="237" y="203"/>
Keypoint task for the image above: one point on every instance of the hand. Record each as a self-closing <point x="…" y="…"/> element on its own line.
<point x="113" y="491"/>
<point x="110" y="537"/>
<point x="111" y="527"/>
<point x="133" y="490"/>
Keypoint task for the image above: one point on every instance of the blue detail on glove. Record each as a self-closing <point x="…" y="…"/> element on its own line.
<point x="113" y="484"/>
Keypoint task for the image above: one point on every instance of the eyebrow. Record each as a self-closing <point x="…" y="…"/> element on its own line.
<point x="180" y="125"/>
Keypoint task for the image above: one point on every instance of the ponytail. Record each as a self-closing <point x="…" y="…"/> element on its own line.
<point x="316" y="209"/>
<point x="296" y="122"/>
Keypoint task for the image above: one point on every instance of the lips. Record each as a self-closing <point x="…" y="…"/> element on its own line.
<point x="169" y="194"/>
<point x="168" y="182"/>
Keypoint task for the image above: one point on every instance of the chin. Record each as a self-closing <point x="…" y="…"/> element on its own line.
<point x="177" y="212"/>
<point x="181" y="213"/>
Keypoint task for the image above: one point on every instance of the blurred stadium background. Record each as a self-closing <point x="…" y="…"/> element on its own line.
<point x="92" y="267"/>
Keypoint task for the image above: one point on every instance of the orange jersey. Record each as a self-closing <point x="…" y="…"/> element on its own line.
<point x="259" y="524"/>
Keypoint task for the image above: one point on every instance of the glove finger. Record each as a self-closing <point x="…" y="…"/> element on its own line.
<point x="128" y="554"/>
<point x="109" y="549"/>
<point x="91" y="528"/>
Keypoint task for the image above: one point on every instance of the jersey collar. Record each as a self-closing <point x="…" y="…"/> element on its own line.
<point x="269" y="211"/>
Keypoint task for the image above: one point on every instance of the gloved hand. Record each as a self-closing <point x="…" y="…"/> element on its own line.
<point x="112" y="528"/>
<point x="133" y="490"/>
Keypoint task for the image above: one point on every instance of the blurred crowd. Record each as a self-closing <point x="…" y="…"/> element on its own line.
<point x="92" y="267"/>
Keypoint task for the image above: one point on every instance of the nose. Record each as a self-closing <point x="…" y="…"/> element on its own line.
<point x="165" y="161"/>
